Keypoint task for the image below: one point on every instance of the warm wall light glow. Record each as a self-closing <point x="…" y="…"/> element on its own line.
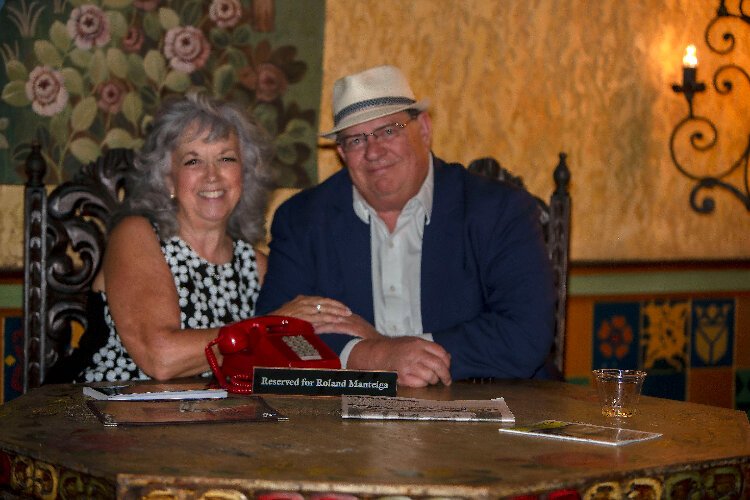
<point x="690" y="59"/>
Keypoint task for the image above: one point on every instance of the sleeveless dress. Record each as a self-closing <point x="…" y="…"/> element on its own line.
<point x="209" y="295"/>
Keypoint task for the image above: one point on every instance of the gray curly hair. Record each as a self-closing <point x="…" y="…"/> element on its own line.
<point x="148" y="191"/>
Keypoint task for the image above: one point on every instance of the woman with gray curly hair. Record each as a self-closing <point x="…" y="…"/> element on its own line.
<point x="180" y="261"/>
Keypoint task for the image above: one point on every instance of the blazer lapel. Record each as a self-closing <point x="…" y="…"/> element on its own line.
<point x="443" y="241"/>
<point x="351" y="241"/>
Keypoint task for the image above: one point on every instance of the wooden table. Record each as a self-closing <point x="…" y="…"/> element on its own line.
<point x="51" y="446"/>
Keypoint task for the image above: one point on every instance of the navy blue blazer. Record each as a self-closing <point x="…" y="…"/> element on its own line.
<point x="487" y="286"/>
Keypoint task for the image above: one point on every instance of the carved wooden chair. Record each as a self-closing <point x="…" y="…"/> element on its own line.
<point x="64" y="239"/>
<point x="555" y="219"/>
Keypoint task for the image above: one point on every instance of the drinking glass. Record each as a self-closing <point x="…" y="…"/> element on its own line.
<point x="619" y="391"/>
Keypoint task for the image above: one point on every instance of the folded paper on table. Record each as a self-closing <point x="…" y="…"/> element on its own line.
<point x="245" y="409"/>
<point x="139" y="391"/>
<point x="380" y="407"/>
<point x="588" y="433"/>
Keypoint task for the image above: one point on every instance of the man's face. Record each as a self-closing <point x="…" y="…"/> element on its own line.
<point x="388" y="171"/>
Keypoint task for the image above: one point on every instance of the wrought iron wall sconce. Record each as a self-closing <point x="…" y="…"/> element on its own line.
<point x="697" y="124"/>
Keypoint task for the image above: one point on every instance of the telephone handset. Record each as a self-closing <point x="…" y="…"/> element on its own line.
<point x="270" y="341"/>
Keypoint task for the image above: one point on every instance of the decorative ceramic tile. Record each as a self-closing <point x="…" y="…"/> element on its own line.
<point x="742" y="332"/>
<point x="722" y="482"/>
<point x="11" y="348"/>
<point x="742" y="390"/>
<point x="664" y="338"/>
<point x="664" y="384"/>
<point x="713" y="332"/>
<point x="693" y="348"/>
<point x="609" y="490"/>
<point x="615" y="336"/>
<point x="563" y="495"/>
<point x="683" y="485"/>
<point x="711" y="386"/>
<point x="578" y="338"/>
<point x="579" y="380"/>
<point x="643" y="488"/>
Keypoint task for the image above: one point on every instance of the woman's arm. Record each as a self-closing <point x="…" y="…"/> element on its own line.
<point x="143" y="301"/>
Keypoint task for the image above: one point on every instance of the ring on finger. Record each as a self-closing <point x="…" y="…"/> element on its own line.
<point x="318" y="307"/>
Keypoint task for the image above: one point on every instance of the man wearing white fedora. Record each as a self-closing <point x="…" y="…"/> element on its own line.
<point x="445" y="272"/>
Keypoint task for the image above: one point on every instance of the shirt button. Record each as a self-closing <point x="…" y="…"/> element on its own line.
<point x="393" y="288"/>
<point x="390" y="244"/>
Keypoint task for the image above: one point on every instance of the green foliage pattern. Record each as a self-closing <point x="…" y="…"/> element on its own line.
<point x="79" y="95"/>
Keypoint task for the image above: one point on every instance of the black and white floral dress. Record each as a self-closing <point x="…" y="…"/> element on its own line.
<point x="210" y="296"/>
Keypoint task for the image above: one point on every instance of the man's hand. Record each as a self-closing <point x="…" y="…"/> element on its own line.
<point x="418" y="362"/>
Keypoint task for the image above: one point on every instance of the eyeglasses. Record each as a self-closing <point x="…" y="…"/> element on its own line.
<point x="386" y="133"/>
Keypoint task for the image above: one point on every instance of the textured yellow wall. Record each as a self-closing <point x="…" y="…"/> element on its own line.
<point x="11" y="227"/>
<point x="522" y="80"/>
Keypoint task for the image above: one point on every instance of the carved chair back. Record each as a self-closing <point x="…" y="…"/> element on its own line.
<point x="64" y="239"/>
<point x="555" y="220"/>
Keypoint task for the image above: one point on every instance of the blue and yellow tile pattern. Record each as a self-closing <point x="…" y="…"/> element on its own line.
<point x="686" y="345"/>
<point x="11" y="348"/>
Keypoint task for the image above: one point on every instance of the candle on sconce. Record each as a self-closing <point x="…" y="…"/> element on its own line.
<point x="690" y="85"/>
<point x="689" y="67"/>
<point x="690" y="59"/>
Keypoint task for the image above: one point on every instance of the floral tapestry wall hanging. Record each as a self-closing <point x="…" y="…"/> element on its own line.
<point x="84" y="76"/>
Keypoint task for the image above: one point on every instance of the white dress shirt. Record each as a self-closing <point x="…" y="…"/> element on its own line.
<point x="396" y="265"/>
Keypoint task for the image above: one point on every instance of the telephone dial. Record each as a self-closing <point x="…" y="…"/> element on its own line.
<point x="269" y="341"/>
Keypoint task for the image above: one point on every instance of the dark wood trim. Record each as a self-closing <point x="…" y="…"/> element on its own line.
<point x="11" y="276"/>
<point x="603" y="266"/>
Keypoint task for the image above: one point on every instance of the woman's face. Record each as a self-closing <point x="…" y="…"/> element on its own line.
<point x="206" y="179"/>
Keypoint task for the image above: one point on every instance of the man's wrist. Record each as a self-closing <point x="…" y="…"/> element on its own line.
<point x="347" y="350"/>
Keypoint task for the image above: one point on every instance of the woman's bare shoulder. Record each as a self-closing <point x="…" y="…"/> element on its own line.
<point x="133" y="233"/>
<point x="132" y="247"/>
<point x="131" y="226"/>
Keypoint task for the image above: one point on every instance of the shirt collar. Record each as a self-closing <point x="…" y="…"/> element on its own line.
<point x="423" y="197"/>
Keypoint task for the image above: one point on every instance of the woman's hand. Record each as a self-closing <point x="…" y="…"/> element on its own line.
<point x="319" y="311"/>
<point x="353" y="324"/>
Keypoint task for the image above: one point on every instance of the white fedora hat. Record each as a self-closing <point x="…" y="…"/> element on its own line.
<point x="373" y="93"/>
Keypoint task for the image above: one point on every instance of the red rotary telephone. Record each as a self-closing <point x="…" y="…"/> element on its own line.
<point x="270" y="341"/>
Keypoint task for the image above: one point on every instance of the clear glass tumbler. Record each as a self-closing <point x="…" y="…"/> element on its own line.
<point x="619" y="391"/>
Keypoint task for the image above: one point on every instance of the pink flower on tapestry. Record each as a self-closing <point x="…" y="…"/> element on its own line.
<point x="186" y="48"/>
<point x="147" y="5"/>
<point x="225" y="13"/>
<point x="133" y="40"/>
<point x="88" y="26"/>
<point x="46" y="90"/>
<point x="271" y="82"/>
<point x="111" y="95"/>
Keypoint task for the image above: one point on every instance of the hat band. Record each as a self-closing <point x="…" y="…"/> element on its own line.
<point x="380" y="101"/>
